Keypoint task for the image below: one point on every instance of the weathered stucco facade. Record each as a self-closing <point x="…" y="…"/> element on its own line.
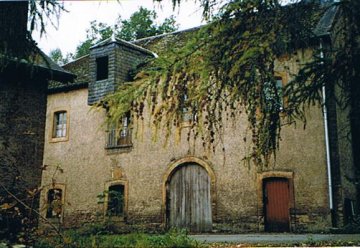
<point x="83" y="167"/>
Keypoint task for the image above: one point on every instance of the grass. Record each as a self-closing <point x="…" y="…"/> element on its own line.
<point x="72" y="239"/>
<point x="338" y="243"/>
<point x="103" y="236"/>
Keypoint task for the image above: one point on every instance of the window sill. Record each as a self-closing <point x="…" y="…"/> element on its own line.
<point x="119" y="148"/>
<point x="102" y="80"/>
<point x="59" y="139"/>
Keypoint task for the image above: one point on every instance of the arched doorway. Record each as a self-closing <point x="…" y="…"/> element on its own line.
<point x="276" y="195"/>
<point x="188" y="198"/>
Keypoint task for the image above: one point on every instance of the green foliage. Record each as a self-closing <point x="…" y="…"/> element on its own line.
<point x="225" y="67"/>
<point x="115" y="203"/>
<point x="57" y="56"/>
<point x="206" y="5"/>
<point x="338" y="68"/>
<point x="83" y="49"/>
<point x="141" y="24"/>
<point x="173" y="238"/>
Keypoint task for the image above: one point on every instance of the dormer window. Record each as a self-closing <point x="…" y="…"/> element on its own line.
<point x="102" y="68"/>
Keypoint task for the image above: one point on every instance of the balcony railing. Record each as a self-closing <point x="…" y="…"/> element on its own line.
<point x="117" y="138"/>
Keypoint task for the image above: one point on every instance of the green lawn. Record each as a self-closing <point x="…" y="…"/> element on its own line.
<point x="74" y="239"/>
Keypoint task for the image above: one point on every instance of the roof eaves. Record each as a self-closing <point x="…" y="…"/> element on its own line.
<point x="167" y="34"/>
<point x="67" y="87"/>
<point x="136" y="47"/>
<point x="124" y="43"/>
<point x="75" y="60"/>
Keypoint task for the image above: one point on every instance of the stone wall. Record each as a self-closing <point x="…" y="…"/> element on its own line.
<point x="22" y="127"/>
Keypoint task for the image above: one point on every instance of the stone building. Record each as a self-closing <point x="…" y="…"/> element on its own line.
<point x="24" y="77"/>
<point x="95" y="172"/>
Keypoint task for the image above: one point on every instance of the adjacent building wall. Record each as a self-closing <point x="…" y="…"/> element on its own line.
<point x="22" y="127"/>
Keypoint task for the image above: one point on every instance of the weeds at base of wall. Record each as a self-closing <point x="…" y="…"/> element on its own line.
<point x="78" y="239"/>
<point x="353" y="226"/>
<point x="117" y="227"/>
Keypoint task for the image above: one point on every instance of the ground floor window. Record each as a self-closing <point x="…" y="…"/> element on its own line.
<point x="116" y="200"/>
<point x="54" y="203"/>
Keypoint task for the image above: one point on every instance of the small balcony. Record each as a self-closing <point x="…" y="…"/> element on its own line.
<point x="118" y="138"/>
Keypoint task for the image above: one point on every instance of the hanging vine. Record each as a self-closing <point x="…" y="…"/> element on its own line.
<point x="227" y="67"/>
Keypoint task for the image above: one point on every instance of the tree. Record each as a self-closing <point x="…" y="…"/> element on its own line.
<point x="244" y="43"/>
<point x="140" y="24"/>
<point x="15" y="38"/>
<point x="57" y="56"/>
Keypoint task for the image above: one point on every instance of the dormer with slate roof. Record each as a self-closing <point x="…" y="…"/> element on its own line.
<point x="110" y="63"/>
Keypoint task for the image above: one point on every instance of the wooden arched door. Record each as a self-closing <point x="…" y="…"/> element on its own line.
<point x="276" y="204"/>
<point x="188" y="198"/>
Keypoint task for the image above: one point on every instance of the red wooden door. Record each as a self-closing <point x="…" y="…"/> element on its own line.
<point x="276" y="201"/>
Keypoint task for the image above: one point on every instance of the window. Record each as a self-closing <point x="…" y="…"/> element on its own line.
<point x="60" y="124"/>
<point x="116" y="201"/>
<point x="54" y="203"/>
<point x="273" y="93"/>
<point x="187" y="113"/>
<point x="102" y="68"/>
<point x="120" y="135"/>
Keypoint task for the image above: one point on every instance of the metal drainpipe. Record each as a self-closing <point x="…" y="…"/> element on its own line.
<point x="328" y="162"/>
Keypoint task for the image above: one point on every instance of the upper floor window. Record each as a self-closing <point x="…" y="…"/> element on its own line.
<point x="188" y="114"/>
<point x="120" y="135"/>
<point x="102" y="68"/>
<point x="60" y="124"/>
<point x="273" y="93"/>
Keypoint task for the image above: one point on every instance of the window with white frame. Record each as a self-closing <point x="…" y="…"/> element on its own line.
<point x="60" y="124"/>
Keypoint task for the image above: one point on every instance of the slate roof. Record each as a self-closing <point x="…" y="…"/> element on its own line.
<point x="78" y="67"/>
<point x="147" y="42"/>
<point x="40" y="63"/>
<point x="123" y="43"/>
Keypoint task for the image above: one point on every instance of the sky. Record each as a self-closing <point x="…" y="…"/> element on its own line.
<point x="71" y="27"/>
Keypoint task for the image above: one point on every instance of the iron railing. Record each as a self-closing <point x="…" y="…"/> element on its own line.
<point x="118" y="138"/>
